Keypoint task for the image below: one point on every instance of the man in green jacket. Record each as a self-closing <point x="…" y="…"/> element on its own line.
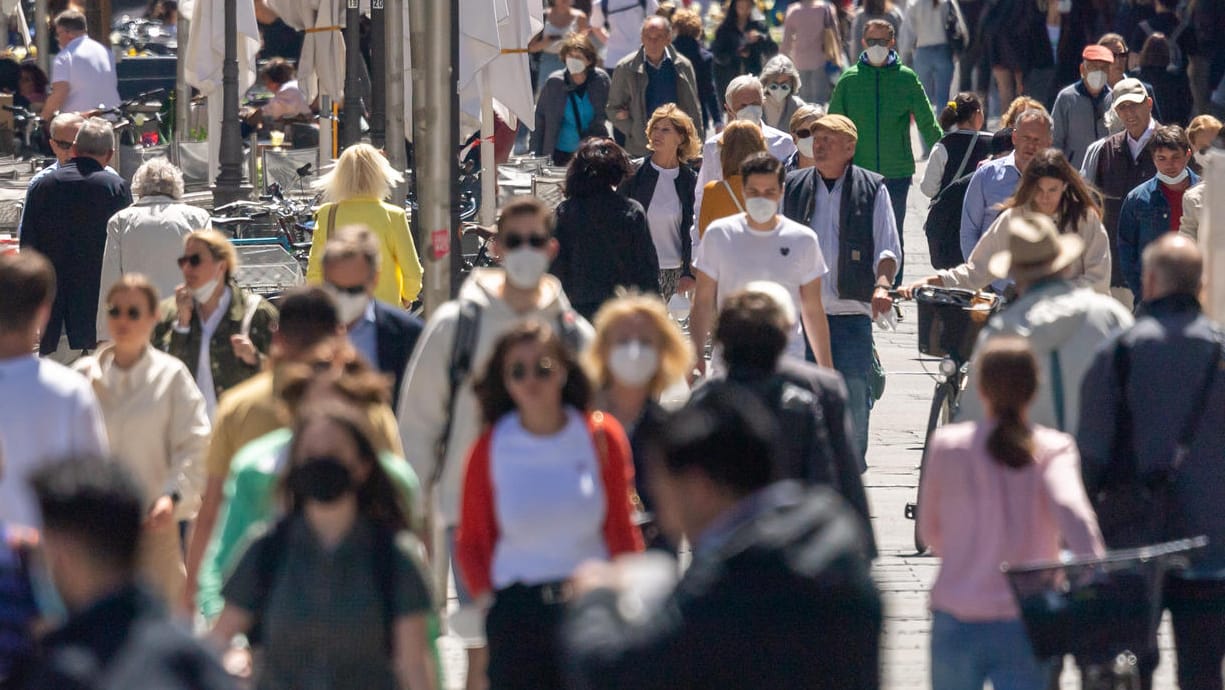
<point x="880" y="95"/>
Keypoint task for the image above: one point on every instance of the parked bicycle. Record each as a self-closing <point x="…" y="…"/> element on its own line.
<point x="30" y="138"/>
<point x="949" y="322"/>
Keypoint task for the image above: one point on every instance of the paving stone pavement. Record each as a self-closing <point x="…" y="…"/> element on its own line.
<point x="895" y="447"/>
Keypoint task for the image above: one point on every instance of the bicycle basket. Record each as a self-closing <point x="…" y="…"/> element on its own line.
<point x="1096" y="608"/>
<point x="267" y="269"/>
<point x="949" y="322"/>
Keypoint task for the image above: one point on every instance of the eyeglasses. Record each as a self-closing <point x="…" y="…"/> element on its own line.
<point x="62" y="144"/>
<point x="132" y="312"/>
<point x="348" y="290"/>
<point x="1121" y="54"/>
<point x="193" y="259"/>
<point x="881" y="42"/>
<point x="516" y="241"/>
<point x="543" y="370"/>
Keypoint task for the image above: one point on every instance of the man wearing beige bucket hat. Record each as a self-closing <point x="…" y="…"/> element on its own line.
<point x="1063" y="323"/>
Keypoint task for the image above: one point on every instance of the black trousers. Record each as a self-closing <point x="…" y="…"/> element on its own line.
<point x="1197" y="610"/>
<point x="522" y="630"/>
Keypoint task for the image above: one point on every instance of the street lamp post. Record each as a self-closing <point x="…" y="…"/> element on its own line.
<point x="229" y="186"/>
<point x="378" y="76"/>
<point x="351" y="124"/>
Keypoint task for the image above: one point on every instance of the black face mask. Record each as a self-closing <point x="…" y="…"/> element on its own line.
<point x="324" y="479"/>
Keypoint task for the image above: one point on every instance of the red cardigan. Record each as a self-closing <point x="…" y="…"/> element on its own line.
<point x="478" y="526"/>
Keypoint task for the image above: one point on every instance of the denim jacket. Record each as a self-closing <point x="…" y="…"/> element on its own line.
<point x="1144" y="217"/>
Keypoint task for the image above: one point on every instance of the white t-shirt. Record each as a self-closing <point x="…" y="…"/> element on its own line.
<point x="734" y="255"/>
<point x="47" y="412"/>
<point x="664" y="218"/>
<point x="549" y="501"/>
<point x="89" y="69"/>
<point x="624" y="19"/>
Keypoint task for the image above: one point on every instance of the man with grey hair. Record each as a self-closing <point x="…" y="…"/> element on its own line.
<point x="65" y="218"/>
<point x="744" y="100"/>
<point x="648" y="78"/>
<point x="384" y="334"/>
<point x="63" y="130"/>
<point x="147" y="236"/>
<point x="83" y="74"/>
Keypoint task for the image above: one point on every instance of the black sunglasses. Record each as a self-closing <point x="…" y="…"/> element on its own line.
<point x="193" y="259"/>
<point x="349" y="290"/>
<point x="882" y="42"/>
<point x="542" y="370"/>
<point x="62" y="144"/>
<point x="516" y="241"/>
<point x="132" y="312"/>
<point x="804" y="132"/>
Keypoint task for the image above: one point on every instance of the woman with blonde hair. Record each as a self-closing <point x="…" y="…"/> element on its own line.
<point x="722" y="198"/>
<point x="637" y="353"/>
<point x="220" y="331"/>
<point x="665" y="185"/>
<point x="157" y="424"/>
<point x="356" y="190"/>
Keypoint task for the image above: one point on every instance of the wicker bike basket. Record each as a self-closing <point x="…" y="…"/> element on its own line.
<point x="950" y="319"/>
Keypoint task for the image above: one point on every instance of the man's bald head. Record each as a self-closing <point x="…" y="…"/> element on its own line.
<point x="1173" y="265"/>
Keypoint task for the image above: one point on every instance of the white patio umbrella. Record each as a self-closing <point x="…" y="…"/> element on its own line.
<point x="206" y="54"/>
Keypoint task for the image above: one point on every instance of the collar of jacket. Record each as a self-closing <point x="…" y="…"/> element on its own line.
<point x="891" y="62"/>
<point x="640" y="60"/>
<point x="86" y="163"/>
<point x="1171" y="304"/>
<point x="238" y="300"/>
<point x="1084" y="91"/>
<point x="153" y="199"/>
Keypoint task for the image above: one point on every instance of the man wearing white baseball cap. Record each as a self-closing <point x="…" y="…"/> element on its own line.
<point x="1121" y="162"/>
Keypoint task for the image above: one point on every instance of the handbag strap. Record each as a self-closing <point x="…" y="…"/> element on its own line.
<point x="1057" y="390"/>
<point x="966" y="158"/>
<point x="735" y="199"/>
<point x="1183" y="447"/>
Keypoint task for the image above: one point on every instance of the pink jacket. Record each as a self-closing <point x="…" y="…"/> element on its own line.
<point x="976" y="513"/>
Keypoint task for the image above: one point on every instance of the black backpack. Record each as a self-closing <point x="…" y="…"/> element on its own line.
<point x="943" y="224"/>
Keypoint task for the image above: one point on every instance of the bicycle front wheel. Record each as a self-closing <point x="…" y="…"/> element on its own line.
<point x="941" y="413"/>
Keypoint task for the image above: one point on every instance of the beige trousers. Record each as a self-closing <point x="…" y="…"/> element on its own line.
<point x="161" y="563"/>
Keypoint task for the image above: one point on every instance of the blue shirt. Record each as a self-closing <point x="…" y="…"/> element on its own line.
<point x="661" y="83"/>
<point x="363" y="336"/>
<point x="825" y="215"/>
<point x="571" y="132"/>
<point x="991" y="185"/>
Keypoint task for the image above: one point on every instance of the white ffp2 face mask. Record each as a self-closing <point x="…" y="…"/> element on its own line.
<point x="350" y="307"/>
<point x="804" y="146"/>
<point x="761" y="209"/>
<point x="749" y="113"/>
<point x="633" y="363"/>
<point x="1175" y="179"/>
<point x="576" y="65"/>
<point x="779" y="92"/>
<point x="525" y="267"/>
<point x="877" y="55"/>
<point x="1095" y="80"/>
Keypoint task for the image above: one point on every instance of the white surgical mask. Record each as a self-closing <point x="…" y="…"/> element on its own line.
<point x="525" y="266"/>
<point x="576" y="65"/>
<point x="205" y="292"/>
<point x="877" y="54"/>
<point x="1095" y="80"/>
<point x="761" y="209"/>
<point x="633" y="363"/>
<point x="779" y="92"/>
<point x="805" y="146"/>
<point x="1175" y="179"/>
<point x="350" y="307"/>
<point x="749" y="113"/>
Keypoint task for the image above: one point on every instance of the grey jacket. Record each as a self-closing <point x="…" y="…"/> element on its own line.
<point x="629" y="88"/>
<point x="1080" y="120"/>
<point x="552" y="103"/>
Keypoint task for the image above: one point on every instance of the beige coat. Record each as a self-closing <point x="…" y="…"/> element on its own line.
<point x="1091" y="270"/>
<point x="156" y="422"/>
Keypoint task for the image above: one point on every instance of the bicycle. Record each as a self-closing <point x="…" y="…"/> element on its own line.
<point x="30" y="139"/>
<point x="949" y="322"/>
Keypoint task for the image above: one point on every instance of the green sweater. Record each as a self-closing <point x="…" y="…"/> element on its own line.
<point x="880" y="101"/>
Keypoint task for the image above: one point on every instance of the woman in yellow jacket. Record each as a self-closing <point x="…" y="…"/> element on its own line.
<point x="722" y="198"/>
<point x="355" y="190"/>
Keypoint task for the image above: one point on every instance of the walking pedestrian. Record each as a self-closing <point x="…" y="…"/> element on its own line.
<point x="653" y="76"/>
<point x="557" y="496"/>
<point x="925" y="30"/>
<point x="963" y="146"/>
<point x="881" y="96"/>
<point x="690" y="43"/>
<point x="603" y="239"/>
<point x="220" y="331"/>
<point x="617" y="23"/>
<point x="1080" y="109"/>
<point x="1000" y="490"/>
<point x="810" y="39"/>
<point x="344" y="526"/>
<point x="802" y="128"/>
<point x="1152" y="406"/>
<point x="742" y="44"/>
<point x="782" y="82"/>
<point x="848" y="209"/>
<point x="116" y="635"/>
<point x="147" y="236"/>
<point x="882" y="10"/>
<point x="157" y="425"/>
<point x="571" y="103"/>
<point x="1170" y="86"/>
<point x="438" y="411"/>
<point x="664" y="184"/>
<point x="785" y="563"/>
<point x="355" y="193"/>
<point x="561" y="19"/>
<point x="638" y="352"/>
<point x="48" y="411"/>
<point x="725" y="197"/>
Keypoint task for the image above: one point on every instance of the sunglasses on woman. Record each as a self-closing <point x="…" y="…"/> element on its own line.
<point x="193" y="259"/>
<point x="877" y="42"/>
<point x="516" y="241"/>
<point x="132" y="312"/>
<point x="542" y="370"/>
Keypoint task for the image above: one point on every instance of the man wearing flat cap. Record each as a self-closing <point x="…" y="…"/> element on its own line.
<point x="1063" y="323"/>
<point x="1120" y="163"/>
<point x="1080" y="108"/>
<point x="850" y="211"/>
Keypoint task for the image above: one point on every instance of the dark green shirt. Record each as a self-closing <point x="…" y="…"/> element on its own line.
<point x="323" y="624"/>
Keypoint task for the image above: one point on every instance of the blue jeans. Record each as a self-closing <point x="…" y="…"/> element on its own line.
<point x="850" y="340"/>
<point x="934" y="65"/>
<point x="966" y="655"/>
<point x="899" y="189"/>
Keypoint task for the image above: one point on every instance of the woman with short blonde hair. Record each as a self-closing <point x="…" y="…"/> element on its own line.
<point x="356" y="190"/>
